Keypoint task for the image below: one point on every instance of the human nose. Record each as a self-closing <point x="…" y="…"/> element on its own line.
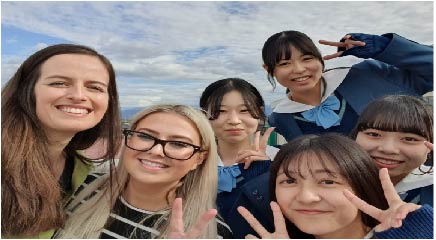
<point x="157" y="149"/>
<point x="388" y="146"/>
<point x="307" y="195"/>
<point x="77" y="93"/>
<point x="298" y="67"/>
<point x="233" y="118"/>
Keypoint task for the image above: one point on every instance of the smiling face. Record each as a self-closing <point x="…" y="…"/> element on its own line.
<point x="235" y="123"/>
<point x="300" y="74"/>
<point x="313" y="200"/>
<point x="399" y="152"/>
<point x="71" y="94"/>
<point x="153" y="168"/>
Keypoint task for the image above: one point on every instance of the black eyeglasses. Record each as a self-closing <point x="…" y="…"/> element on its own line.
<point x="143" y="142"/>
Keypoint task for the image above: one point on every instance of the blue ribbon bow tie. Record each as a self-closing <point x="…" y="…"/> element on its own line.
<point x="323" y="114"/>
<point x="227" y="178"/>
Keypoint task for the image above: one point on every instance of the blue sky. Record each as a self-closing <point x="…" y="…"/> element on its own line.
<point x="170" y="51"/>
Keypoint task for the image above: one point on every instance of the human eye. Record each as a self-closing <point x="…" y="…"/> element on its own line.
<point x="97" y="88"/>
<point x="308" y="57"/>
<point x="328" y="182"/>
<point x="222" y="110"/>
<point x="284" y="63"/>
<point x="57" y="84"/>
<point x="144" y="136"/>
<point x="179" y="145"/>
<point x="288" y="181"/>
<point x="372" y="133"/>
<point x="244" y="110"/>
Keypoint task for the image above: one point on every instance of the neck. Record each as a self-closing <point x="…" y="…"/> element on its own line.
<point x="147" y="197"/>
<point x="310" y="97"/>
<point x="228" y="151"/>
<point x="56" y="146"/>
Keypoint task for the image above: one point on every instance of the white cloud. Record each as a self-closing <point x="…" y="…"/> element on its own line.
<point x="207" y="41"/>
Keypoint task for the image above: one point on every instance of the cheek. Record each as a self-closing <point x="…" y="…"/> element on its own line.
<point x="364" y="142"/>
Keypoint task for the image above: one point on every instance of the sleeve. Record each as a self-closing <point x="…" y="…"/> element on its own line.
<point x="418" y="224"/>
<point x="406" y="63"/>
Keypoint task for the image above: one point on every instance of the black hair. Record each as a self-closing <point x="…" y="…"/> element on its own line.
<point x="353" y="163"/>
<point x="212" y="96"/>
<point x="278" y="47"/>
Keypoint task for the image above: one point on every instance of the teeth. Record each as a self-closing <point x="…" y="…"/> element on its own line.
<point x="300" y="79"/>
<point x="74" y="110"/>
<point x="385" y="161"/>
<point x="153" y="164"/>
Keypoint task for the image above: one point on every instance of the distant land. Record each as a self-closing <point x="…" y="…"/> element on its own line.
<point x="129" y="113"/>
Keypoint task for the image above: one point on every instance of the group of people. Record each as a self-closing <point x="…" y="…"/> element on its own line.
<point x="358" y="162"/>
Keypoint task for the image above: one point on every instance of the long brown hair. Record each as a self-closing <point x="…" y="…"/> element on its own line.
<point x="31" y="195"/>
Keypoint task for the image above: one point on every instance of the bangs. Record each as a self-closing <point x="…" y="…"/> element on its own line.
<point x="395" y="118"/>
<point x="305" y="160"/>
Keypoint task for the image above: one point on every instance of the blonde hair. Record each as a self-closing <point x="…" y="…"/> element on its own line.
<point x="198" y="188"/>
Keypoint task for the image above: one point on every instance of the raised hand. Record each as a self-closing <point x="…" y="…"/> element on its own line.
<point x="257" y="151"/>
<point x="347" y="44"/>
<point x="279" y="224"/>
<point x="391" y="217"/>
<point x="177" y="228"/>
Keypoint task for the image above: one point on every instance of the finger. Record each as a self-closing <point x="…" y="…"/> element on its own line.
<point x="249" y="236"/>
<point x="355" y="43"/>
<point x="429" y="145"/>
<point x="176" y="220"/>
<point x="331" y="56"/>
<point x="391" y="194"/>
<point x="330" y="43"/>
<point x="279" y="220"/>
<point x="248" y="163"/>
<point x="363" y="206"/>
<point x="265" y="137"/>
<point x="402" y="211"/>
<point x="252" y="155"/>
<point x="382" y="226"/>
<point x="256" y="141"/>
<point x="199" y="228"/>
<point x="263" y="233"/>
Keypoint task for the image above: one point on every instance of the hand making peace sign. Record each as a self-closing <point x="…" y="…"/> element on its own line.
<point x="257" y="150"/>
<point x="347" y="44"/>
<point x="177" y="228"/>
<point x="279" y="223"/>
<point x="391" y="217"/>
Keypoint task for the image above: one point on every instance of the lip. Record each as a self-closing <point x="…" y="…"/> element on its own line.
<point x="311" y="211"/>
<point x="235" y="131"/>
<point x="298" y="79"/>
<point x="388" y="163"/>
<point x="59" y="107"/>
<point x="149" y="167"/>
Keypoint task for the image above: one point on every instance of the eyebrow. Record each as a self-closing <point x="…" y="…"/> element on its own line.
<point x="177" y="137"/>
<point x="316" y="171"/>
<point x="71" y="79"/>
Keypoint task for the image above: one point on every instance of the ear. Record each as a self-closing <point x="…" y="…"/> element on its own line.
<point x="265" y="67"/>
<point x="201" y="157"/>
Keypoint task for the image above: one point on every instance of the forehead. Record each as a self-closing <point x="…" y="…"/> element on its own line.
<point x="309" y="162"/>
<point x="170" y="124"/>
<point x="232" y="99"/>
<point x="74" y="64"/>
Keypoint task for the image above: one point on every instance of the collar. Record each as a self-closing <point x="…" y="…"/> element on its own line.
<point x="414" y="180"/>
<point x="333" y="78"/>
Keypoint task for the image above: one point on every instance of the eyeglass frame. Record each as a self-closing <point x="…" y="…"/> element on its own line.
<point x="157" y="141"/>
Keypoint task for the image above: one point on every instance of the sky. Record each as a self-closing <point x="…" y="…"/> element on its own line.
<point x="168" y="52"/>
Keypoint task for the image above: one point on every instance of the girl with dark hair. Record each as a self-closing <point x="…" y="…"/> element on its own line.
<point x="61" y="100"/>
<point x="322" y="101"/>
<point x="328" y="187"/>
<point x="236" y="113"/>
<point x="397" y="131"/>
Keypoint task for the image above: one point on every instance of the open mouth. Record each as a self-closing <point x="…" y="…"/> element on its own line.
<point x="300" y="79"/>
<point x="74" y="110"/>
<point x="153" y="165"/>
<point x="387" y="163"/>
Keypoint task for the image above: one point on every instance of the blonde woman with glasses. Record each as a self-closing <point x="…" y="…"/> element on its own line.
<point x="169" y="157"/>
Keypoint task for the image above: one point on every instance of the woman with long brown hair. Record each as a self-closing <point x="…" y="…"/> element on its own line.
<point x="61" y="100"/>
